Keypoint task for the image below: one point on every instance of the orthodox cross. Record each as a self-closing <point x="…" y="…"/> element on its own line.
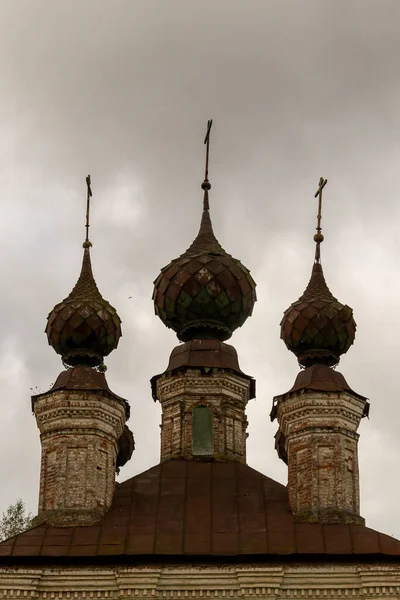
<point x="206" y="185"/>
<point x="207" y="141"/>
<point x="318" y="237"/>
<point x="89" y="195"/>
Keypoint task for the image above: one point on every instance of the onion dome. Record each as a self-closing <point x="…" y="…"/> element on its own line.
<point x="205" y="293"/>
<point x="84" y="328"/>
<point x="318" y="328"/>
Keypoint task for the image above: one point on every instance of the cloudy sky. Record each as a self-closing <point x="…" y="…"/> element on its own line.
<point x="122" y="89"/>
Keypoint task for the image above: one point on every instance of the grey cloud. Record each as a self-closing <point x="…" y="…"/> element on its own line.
<point x="123" y="90"/>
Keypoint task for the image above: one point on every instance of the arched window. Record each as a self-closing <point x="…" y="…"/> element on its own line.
<point x="202" y="431"/>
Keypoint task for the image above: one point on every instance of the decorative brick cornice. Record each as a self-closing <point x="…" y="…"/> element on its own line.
<point x="192" y="384"/>
<point x="76" y="409"/>
<point x="320" y="408"/>
<point x="237" y="581"/>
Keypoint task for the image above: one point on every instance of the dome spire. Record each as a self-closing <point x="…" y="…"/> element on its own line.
<point x="318" y="237"/>
<point x="84" y="328"/>
<point x="317" y="328"/>
<point x="205" y="293"/>
<point x="205" y="239"/>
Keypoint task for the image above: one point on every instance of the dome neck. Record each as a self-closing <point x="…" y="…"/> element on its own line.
<point x="318" y="358"/>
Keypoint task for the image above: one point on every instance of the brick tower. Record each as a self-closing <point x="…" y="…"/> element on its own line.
<point x="204" y="295"/>
<point x="81" y="421"/>
<point x="319" y="417"/>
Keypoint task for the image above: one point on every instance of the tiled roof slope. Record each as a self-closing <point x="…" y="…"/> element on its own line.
<point x="198" y="508"/>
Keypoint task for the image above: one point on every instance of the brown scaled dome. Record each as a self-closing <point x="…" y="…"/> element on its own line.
<point x="317" y="328"/>
<point x="84" y="327"/>
<point x="205" y="293"/>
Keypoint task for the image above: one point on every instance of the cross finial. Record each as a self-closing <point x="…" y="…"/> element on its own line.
<point x="206" y="185"/>
<point x="87" y="243"/>
<point x="207" y="142"/>
<point x="318" y="237"/>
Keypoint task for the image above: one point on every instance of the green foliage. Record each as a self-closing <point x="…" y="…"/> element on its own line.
<point x="14" y="520"/>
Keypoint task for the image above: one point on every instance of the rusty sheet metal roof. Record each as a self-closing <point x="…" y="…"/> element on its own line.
<point x="321" y="378"/>
<point x="83" y="378"/>
<point x="203" y="354"/>
<point x="200" y="509"/>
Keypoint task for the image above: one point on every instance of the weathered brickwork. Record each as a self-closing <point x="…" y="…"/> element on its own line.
<point x="79" y="432"/>
<point x="319" y="433"/>
<point x="224" y="393"/>
<point x="335" y="580"/>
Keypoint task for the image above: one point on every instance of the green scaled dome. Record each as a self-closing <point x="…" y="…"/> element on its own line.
<point x="84" y="328"/>
<point x="317" y="328"/>
<point x="205" y="293"/>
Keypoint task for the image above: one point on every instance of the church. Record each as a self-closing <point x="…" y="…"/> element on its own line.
<point x="202" y="523"/>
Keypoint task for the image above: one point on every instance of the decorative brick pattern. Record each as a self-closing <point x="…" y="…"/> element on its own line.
<point x="318" y="431"/>
<point x="224" y="393"/>
<point x="79" y="432"/>
<point x="204" y="581"/>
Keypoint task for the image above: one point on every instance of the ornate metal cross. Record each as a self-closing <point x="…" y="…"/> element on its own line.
<point x="207" y="141"/>
<point x="89" y="195"/>
<point x="318" y="237"/>
<point x="206" y="185"/>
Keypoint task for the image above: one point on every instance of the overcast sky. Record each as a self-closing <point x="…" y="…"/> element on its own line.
<point x="122" y="89"/>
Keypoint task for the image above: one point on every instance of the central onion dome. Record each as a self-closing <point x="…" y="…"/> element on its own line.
<point x="205" y="293"/>
<point x="84" y="328"/>
<point x="317" y="328"/>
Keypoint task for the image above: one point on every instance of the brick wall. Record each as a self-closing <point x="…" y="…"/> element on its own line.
<point x="319" y="430"/>
<point x="79" y="432"/>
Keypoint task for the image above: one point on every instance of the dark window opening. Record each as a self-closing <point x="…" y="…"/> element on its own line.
<point x="202" y="431"/>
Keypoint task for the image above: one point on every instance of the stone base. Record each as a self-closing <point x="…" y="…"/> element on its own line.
<point x="330" y="516"/>
<point x="220" y="458"/>
<point x="69" y="517"/>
